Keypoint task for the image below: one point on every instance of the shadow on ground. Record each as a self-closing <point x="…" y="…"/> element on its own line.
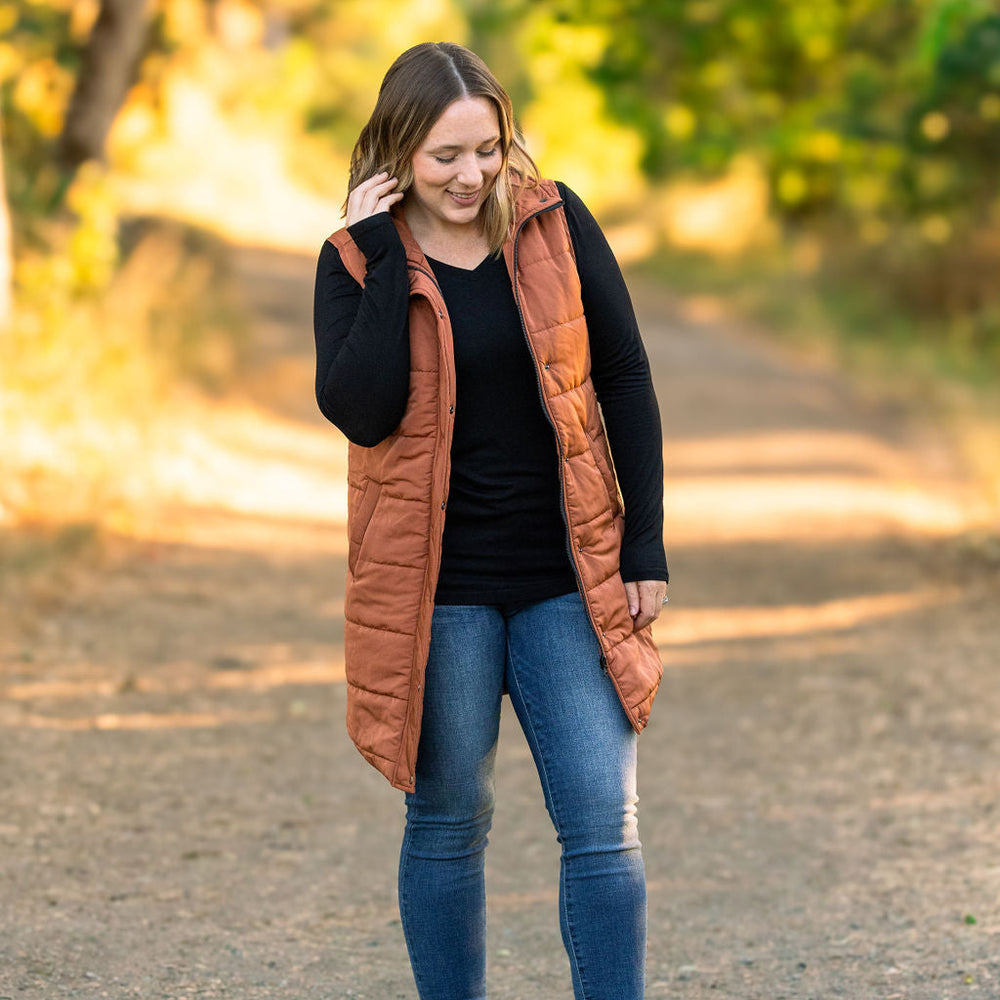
<point x="184" y="816"/>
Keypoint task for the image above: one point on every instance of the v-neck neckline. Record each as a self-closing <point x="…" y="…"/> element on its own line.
<point x="434" y="262"/>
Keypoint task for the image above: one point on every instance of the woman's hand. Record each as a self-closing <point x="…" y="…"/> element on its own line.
<point x="645" y="601"/>
<point x="371" y="197"/>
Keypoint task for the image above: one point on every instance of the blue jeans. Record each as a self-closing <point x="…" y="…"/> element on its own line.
<point x="546" y="656"/>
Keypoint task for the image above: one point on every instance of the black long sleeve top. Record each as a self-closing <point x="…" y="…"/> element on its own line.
<point x="504" y="538"/>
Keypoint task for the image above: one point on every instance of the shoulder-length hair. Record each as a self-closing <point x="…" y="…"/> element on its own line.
<point x="417" y="88"/>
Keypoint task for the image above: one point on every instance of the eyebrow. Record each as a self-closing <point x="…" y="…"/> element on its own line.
<point x="446" y="149"/>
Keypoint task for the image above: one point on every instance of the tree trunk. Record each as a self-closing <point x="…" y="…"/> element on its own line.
<point x="104" y="78"/>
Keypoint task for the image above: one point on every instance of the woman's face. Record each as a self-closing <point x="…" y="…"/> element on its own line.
<point x="456" y="164"/>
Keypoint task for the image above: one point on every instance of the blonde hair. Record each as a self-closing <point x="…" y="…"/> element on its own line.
<point x="417" y="88"/>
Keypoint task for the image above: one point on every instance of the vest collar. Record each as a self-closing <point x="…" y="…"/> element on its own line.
<point x="532" y="200"/>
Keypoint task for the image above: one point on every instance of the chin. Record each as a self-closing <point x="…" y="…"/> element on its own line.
<point x="462" y="214"/>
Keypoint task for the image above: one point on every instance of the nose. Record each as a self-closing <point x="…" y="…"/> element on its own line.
<point x="470" y="173"/>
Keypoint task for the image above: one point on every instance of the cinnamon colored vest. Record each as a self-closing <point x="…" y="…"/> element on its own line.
<point x="398" y="492"/>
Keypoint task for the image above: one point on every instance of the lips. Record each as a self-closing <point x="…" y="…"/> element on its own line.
<point x="465" y="197"/>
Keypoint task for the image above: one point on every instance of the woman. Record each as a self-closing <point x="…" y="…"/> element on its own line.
<point x="468" y="319"/>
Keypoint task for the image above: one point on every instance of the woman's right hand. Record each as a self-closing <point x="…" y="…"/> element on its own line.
<point x="371" y="197"/>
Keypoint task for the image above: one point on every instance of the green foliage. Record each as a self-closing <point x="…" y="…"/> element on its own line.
<point x="875" y="122"/>
<point x="37" y="64"/>
<point x="878" y="125"/>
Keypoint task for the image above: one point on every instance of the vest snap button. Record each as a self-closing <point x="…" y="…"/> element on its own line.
<point x="546" y="366"/>
<point x="442" y="505"/>
<point x="451" y="409"/>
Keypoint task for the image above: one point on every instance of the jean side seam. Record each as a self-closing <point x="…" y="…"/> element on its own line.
<point x="402" y="901"/>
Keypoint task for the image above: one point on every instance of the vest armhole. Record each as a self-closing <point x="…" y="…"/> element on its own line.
<point x="350" y="255"/>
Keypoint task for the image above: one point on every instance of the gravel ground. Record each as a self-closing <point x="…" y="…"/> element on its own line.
<point x="183" y="816"/>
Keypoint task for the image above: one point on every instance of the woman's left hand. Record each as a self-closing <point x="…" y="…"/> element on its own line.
<point x="645" y="601"/>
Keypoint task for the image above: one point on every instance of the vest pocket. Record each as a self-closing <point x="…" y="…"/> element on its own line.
<point x="360" y="519"/>
<point x="601" y="460"/>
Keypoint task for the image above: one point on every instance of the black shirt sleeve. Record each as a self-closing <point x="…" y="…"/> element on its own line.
<point x="362" y="335"/>
<point x="363" y="364"/>
<point x="624" y="387"/>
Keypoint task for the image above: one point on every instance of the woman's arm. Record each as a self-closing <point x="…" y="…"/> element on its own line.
<point x="362" y="335"/>
<point x="620" y="371"/>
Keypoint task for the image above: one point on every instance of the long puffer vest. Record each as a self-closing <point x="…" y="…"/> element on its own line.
<point x="398" y="492"/>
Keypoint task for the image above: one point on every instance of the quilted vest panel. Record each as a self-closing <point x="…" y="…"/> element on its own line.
<point x="397" y="492"/>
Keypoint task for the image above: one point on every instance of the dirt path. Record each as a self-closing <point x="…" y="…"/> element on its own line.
<point x="183" y="816"/>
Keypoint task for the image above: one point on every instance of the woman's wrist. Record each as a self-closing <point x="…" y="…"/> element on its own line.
<point x="376" y="236"/>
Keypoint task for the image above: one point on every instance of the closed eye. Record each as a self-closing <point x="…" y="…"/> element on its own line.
<point x="482" y="154"/>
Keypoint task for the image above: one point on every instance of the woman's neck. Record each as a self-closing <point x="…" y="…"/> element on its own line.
<point x="462" y="246"/>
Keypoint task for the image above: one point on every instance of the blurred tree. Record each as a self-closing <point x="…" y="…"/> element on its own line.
<point x="877" y="125"/>
<point x="106" y="71"/>
<point x="873" y="127"/>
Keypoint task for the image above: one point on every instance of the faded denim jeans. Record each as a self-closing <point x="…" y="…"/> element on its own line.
<point x="547" y="657"/>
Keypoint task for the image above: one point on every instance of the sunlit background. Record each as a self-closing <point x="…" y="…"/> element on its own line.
<point x="821" y="174"/>
<point x="805" y="195"/>
<point x="827" y="168"/>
